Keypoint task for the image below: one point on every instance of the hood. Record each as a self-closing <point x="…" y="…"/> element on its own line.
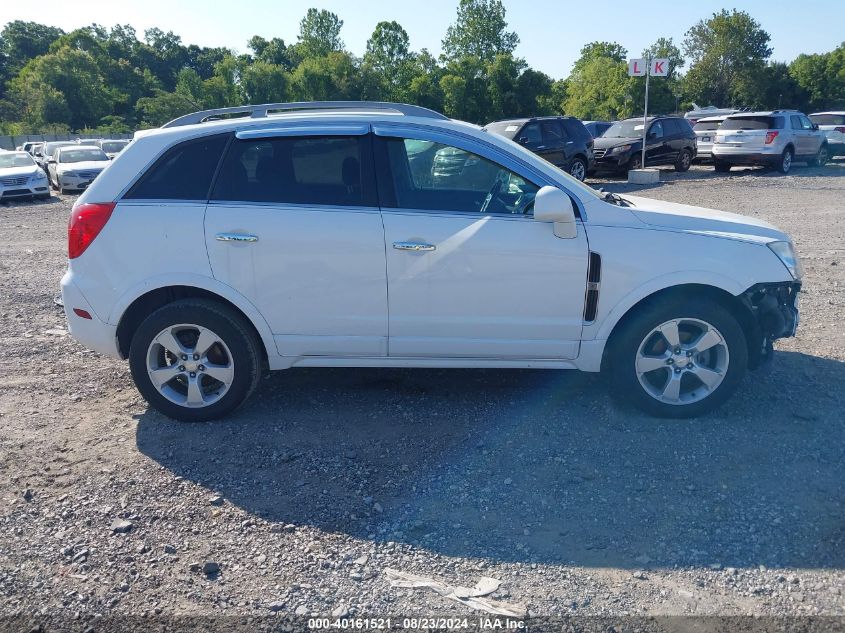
<point x="604" y="142"/>
<point x="26" y="170"/>
<point x="85" y="165"/>
<point x="684" y="217"/>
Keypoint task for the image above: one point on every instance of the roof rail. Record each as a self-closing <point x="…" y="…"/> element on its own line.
<point x="261" y="111"/>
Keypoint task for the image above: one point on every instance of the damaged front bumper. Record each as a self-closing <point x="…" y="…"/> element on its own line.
<point x="774" y="307"/>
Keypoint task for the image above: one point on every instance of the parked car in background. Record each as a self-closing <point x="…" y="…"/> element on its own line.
<point x="773" y="138"/>
<point x="833" y="126"/>
<point x="112" y="147"/>
<point x="561" y="140"/>
<point x="697" y="113"/>
<point x="669" y="141"/>
<point x="705" y="133"/>
<point x="75" y="166"/>
<point x="46" y="151"/>
<point x="299" y="236"/>
<point x="20" y="177"/>
<point x="597" y="128"/>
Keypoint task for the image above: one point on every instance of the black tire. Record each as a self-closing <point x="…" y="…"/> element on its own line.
<point x="635" y="162"/>
<point x="684" y="161"/>
<point x="230" y="326"/>
<point x="578" y="168"/>
<point x="625" y="344"/>
<point x="821" y="158"/>
<point x="721" y="167"/>
<point x="784" y="163"/>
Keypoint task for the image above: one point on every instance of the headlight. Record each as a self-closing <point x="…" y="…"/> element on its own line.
<point x="67" y="174"/>
<point x="621" y="149"/>
<point x="786" y="254"/>
<point x="39" y="175"/>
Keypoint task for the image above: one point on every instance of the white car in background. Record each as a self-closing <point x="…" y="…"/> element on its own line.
<point x="314" y="235"/>
<point x="21" y="177"/>
<point x="75" y="166"/>
<point x="705" y="134"/>
<point x="833" y="126"/>
<point x="112" y="147"/>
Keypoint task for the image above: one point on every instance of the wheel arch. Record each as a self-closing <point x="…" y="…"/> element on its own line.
<point x="733" y="303"/>
<point x="152" y="298"/>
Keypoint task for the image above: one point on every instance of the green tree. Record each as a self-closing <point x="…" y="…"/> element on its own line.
<point x="593" y="50"/>
<point x="822" y="78"/>
<point x="319" y="34"/>
<point x="728" y="54"/>
<point x="22" y="41"/>
<point x="598" y="90"/>
<point x="263" y="82"/>
<point x="480" y="31"/>
<point x="328" y="78"/>
<point x="272" y="51"/>
<point x="387" y="57"/>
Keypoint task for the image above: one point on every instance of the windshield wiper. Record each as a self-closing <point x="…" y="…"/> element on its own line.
<point x="613" y="198"/>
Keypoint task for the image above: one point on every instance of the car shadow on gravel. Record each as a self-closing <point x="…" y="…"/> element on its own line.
<point x="533" y="466"/>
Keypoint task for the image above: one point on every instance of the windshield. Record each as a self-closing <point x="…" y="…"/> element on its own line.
<point x="828" y="119"/>
<point x="80" y="155"/>
<point x="706" y="126"/>
<point x="508" y="129"/>
<point x="15" y="159"/>
<point x="113" y="146"/>
<point x="49" y="148"/>
<point x="624" y="129"/>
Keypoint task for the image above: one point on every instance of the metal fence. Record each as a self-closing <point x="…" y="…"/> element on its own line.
<point x="11" y="142"/>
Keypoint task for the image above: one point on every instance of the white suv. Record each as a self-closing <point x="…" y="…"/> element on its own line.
<point x="321" y="235"/>
<point x="775" y="139"/>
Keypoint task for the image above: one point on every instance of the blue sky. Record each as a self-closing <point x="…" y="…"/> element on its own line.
<point x="552" y="33"/>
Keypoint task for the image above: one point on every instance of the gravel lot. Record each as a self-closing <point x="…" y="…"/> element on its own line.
<point x="328" y="477"/>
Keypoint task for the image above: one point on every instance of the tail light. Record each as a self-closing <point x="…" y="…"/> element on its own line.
<point x="771" y="136"/>
<point x="841" y="130"/>
<point x="85" y="223"/>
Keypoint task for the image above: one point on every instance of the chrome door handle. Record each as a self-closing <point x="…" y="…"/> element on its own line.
<point x="236" y="237"/>
<point x="413" y="246"/>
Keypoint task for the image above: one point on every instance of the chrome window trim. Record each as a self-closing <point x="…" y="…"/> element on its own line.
<point x="290" y="206"/>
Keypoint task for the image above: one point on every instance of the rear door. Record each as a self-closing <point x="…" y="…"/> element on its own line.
<point x="746" y="133"/>
<point x="293" y="224"/>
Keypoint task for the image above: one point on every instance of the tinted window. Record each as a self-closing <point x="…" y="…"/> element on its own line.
<point x="656" y="129"/>
<point x="575" y="130"/>
<point x="631" y="128"/>
<point x="752" y="123"/>
<point x="795" y="121"/>
<point x="806" y="123"/>
<point x="446" y="178"/>
<point x="72" y="155"/>
<point x="707" y="126"/>
<point x="553" y="134"/>
<point x="318" y="170"/>
<point x="184" y="172"/>
<point x="530" y="134"/>
<point x="828" y="119"/>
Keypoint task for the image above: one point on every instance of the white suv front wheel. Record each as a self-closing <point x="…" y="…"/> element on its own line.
<point x="679" y="359"/>
<point x="195" y="360"/>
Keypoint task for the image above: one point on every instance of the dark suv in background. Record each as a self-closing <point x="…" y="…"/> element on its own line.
<point x="669" y="141"/>
<point x="561" y="140"/>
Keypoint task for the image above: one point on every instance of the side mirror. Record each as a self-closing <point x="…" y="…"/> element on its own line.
<point x="553" y="205"/>
<point x="815" y="126"/>
<point x="51" y="160"/>
<point x="522" y="140"/>
<point x="652" y="135"/>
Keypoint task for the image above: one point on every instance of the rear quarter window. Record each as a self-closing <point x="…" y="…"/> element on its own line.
<point x="706" y="126"/>
<point x="184" y="172"/>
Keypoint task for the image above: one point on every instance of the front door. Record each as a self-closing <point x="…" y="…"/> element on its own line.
<point x="293" y="224"/>
<point x="470" y="273"/>
<point x="656" y="147"/>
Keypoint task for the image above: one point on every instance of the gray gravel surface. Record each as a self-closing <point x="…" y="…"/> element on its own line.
<point x="299" y="502"/>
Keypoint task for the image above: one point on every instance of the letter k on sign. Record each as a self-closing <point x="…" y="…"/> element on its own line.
<point x="659" y="67"/>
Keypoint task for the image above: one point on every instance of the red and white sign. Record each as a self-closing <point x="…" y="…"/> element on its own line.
<point x="637" y="67"/>
<point x="659" y="67"/>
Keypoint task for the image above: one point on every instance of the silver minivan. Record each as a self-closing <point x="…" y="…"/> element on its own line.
<point x="775" y="138"/>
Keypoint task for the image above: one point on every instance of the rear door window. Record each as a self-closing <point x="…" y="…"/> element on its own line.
<point x="553" y="134"/>
<point x="752" y="123"/>
<point x="706" y="126"/>
<point x="184" y="172"/>
<point x="301" y="170"/>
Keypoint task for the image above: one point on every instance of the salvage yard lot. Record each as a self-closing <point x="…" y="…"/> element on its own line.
<point x="327" y="477"/>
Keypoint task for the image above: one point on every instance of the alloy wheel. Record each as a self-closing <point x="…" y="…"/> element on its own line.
<point x="682" y="361"/>
<point x="190" y="365"/>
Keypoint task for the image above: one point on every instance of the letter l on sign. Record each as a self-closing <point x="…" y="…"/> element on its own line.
<point x="637" y="67"/>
